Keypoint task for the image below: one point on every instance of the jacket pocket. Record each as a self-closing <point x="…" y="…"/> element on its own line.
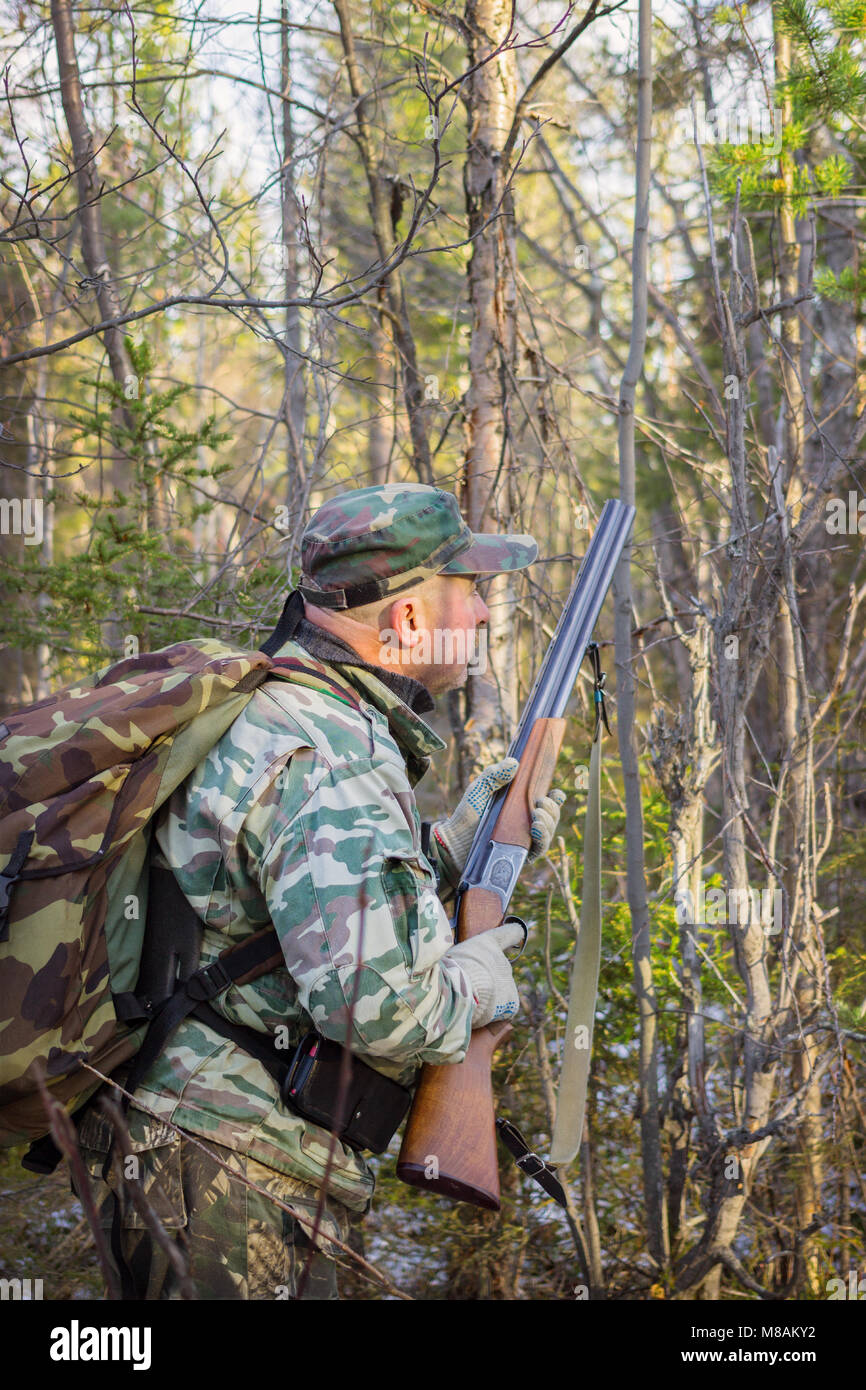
<point x="152" y="1165"/>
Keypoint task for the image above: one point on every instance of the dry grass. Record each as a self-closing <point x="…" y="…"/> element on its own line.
<point x="43" y="1233"/>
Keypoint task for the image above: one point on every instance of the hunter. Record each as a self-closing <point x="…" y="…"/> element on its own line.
<point x="303" y="815"/>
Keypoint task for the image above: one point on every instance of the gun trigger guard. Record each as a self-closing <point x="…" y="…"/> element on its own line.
<point x="520" y="922"/>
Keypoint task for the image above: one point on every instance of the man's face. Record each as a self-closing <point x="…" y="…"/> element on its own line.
<point x="435" y="630"/>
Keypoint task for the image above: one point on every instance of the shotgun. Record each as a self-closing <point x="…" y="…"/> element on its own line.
<point x="450" y="1141"/>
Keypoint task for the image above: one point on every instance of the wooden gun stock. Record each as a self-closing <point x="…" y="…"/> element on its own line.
<point x="450" y="1141"/>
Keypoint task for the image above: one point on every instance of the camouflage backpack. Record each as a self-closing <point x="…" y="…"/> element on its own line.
<point x="82" y="776"/>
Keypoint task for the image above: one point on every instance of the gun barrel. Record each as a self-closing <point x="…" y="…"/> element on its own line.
<point x="451" y="1120"/>
<point x="555" y="681"/>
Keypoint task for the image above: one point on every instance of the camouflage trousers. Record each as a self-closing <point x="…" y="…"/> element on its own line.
<point x="234" y="1242"/>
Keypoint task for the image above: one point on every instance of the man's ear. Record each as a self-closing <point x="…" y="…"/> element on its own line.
<point x="407" y="620"/>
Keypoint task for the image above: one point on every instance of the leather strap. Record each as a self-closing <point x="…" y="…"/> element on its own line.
<point x="530" y="1162"/>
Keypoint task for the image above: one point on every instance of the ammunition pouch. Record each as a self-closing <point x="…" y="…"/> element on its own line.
<point x="333" y="1088"/>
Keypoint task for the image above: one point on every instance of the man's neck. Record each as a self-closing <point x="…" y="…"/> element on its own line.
<point x="328" y="646"/>
<point x="358" y="637"/>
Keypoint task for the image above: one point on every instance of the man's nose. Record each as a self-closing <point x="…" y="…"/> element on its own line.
<point x="481" y="607"/>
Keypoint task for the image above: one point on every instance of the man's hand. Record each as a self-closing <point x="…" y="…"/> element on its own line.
<point x="457" y="832"/>
<point x="545" y="819"/>
<point x="482" y="959"/>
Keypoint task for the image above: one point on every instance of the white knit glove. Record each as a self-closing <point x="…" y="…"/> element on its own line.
<point x="458" y="831"/>
<point x="482" y="959"/>
<point x="545" y="819"/>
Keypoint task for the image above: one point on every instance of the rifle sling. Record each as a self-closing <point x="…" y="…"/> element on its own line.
<point x="571" y="1098"/>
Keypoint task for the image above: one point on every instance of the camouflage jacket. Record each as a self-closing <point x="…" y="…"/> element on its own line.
<point x="303" y="814"/>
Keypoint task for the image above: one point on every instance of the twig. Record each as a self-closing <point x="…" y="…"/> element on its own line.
<point x="64" y="1135"/>
<point x="133" y="1187"/>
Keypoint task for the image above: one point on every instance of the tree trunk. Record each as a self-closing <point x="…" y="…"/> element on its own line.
<point x="797" y="839"/>
<point x="384" y="235"/>
<point x="381" y="433"/>
<point x="93" y="244"/>
<point x="653" y="1182"/>
<point x="491" y="98"/>
<point x="294" y="389"/>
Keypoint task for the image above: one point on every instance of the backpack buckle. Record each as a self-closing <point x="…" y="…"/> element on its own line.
<point x="10" y="876"/>
<point x="5" y="894"/>
<point x="208" y="982"/>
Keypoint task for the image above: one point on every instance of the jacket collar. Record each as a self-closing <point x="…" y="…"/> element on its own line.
<point x="399" y="698"/>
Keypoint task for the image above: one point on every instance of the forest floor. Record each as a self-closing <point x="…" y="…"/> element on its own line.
<point x="44" y="1235"/>
<point x="43" y="1232"/>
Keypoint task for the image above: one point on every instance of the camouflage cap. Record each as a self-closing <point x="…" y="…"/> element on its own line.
<point x="375" y="541"/>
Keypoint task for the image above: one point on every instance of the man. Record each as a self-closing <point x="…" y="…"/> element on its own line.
<point x="303" y="815"/>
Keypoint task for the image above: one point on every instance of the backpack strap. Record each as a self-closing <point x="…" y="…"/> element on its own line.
<point x="291" y="616"/>
<point x="239" y="964"/>
<point x="9" y="877"/>
<point x="247" y="1039"/>
<point x="289" y="668"/>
